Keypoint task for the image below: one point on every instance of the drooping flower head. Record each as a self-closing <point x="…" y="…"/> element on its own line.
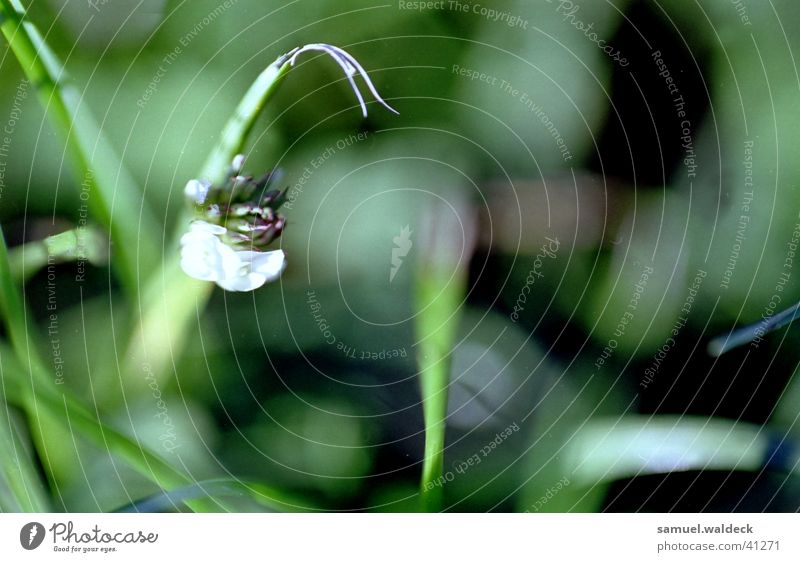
<point x="234" y="224"/>
<point x="236" y="221"/>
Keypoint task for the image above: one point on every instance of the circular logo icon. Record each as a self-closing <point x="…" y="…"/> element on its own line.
<point x="31" y="535"/>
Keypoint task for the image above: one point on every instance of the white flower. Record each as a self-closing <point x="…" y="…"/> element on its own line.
<point x="206" y="257"/>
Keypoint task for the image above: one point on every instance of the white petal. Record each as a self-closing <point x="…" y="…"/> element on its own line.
<point x="270" y="264"/>
<point x="197" y="263"/>
<point x="205" y="257"/>
<point x="255" y="269"/>
<point x="242" y="283"/>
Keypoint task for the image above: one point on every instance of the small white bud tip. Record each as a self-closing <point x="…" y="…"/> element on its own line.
<point x="197" y="191"/>
<point x="238" y="163"/>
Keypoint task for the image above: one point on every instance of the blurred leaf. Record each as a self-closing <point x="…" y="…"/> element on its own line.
<point x="547" y="86"/>
<point x="636" y="299"/>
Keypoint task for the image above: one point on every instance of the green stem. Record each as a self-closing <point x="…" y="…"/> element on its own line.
<point x="434" y="381"/>
<point x="238" y="127"/>
<point x="101" y="175"/>
<point x="439" y="295"/>
<point x="440" y="291"/>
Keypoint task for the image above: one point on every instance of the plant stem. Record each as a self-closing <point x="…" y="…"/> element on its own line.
<point x="238" y="127"/>
<point x="97" y="167"/>
<point x="434" y="379"/>
<point x="18" y="469"/>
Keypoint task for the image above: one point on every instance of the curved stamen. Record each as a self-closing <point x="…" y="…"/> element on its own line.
<point x="350" y="66"/>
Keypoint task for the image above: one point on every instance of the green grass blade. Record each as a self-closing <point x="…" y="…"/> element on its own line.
<point x="433" y="360"/>
<point x="36" y="391"/>
<point x="21" y="480"/>
<point x="114" y="198"/>
<point x="43" y="397"/>
<point x="605" y="450"/>
<point x="13" y="313"/>
<point x="17" y="468"/>
<point x="440" y="291"/>
<point x="30" y="258"/>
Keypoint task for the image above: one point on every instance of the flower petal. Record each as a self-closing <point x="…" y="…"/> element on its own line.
<point x="255" y="269"/>
<point x="270" y="264"/>
<point x="204" y="256"/>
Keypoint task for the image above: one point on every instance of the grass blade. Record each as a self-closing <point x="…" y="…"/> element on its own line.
<point x="114" y="198"/>
<point x="447" y="240"/>
<point x="753" y="332"/>
<point x="616" y="448"/>
<point x="17" y="467"/>
<point x="30" y="258"/>
<point x="38" y="392"/>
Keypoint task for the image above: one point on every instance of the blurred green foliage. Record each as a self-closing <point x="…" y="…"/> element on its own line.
<point x="318" y="397"/>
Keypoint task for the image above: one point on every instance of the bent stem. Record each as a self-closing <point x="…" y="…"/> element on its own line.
<point x="171" y="299"/>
